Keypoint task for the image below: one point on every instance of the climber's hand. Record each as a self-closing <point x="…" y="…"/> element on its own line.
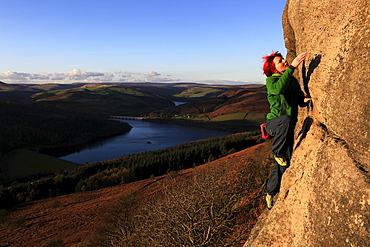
<point x="298" y="60"/>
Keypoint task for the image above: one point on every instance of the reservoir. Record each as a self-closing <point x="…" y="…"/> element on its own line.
<point x="144" y="136"/>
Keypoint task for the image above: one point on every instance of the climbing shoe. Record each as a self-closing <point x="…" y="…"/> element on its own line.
<point x="269" y="202"/>
<point x="281" y="161"/>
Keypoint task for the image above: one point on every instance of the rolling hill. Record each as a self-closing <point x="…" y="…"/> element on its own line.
<point x="106" y="99"/>
<point x="74" y="220"/>
<point x="24" y="163"/>
<point x="27" y="125"/>
<point x="71" y="220"/>
<point x="236" y="109"/>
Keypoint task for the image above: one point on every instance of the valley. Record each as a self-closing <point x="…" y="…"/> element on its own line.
<point x="39" y="116"/>
<point x="73" y="220"/>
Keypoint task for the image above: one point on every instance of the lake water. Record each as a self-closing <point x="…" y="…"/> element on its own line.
<point x="144" y="136"/>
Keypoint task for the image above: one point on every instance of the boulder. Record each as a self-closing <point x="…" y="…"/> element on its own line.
<point x="325" y="195"/>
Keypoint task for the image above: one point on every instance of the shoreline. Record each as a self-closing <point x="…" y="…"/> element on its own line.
<point x="236" y="126"/>
<point x="227" y="126"/>
<point x="41" y="148"/>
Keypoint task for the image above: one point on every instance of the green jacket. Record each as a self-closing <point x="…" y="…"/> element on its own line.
<point x="284" y="94"/>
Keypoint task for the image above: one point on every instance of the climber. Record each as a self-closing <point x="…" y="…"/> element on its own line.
<point x="284" y="94"/>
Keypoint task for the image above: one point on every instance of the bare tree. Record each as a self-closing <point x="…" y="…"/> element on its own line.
<point x="195" y="213"/>
<point x="217" y="206"/>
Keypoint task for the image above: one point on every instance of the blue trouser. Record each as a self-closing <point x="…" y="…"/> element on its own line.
<point x="282" y="128"/>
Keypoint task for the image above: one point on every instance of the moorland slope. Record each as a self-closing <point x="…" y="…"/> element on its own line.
<point x="67" y="219"/>
<point x="73" y="220"/>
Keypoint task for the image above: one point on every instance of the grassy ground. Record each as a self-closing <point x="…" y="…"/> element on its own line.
<point x="199" y="92"/>
<point x="249" y="121"/>
<point x="234" y="122"/>
<point x="24" y="163"/>
<point x="251" y="117"/>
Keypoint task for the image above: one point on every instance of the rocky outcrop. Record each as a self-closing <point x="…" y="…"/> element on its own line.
<point x="325" y="194"/>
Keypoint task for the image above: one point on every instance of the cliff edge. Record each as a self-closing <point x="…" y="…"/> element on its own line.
<point x="325" y="194"/>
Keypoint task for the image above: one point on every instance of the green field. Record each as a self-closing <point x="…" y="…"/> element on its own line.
<point x="256" y="118"/>
<point x="98" y="91"/>
<point x="108" y="100"/>
<point x="239" y="122"/>
<point x="200" y="92"/>
<point x="250" y="117"/>
<point x="23" y="163"/>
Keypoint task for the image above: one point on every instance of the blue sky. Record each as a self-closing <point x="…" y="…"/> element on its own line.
<point x="133" y="40"/>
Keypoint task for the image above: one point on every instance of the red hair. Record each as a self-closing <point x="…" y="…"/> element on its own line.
<point x="268" y="65"/>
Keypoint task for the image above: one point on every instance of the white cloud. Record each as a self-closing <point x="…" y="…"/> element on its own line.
<point x="78" y="75"/>
<point x="225" y="82"/>
<point x="83" y="73"/>
<point x="123" y="74"/>
<point x="57" y="77"/>
<point x="15" y="76"/>
<point x="153" y="73"/>
<point x="40" y="76"/>
<point x="160" y="79"/>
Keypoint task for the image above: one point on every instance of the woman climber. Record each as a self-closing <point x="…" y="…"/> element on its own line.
<point x="284" y="95"/>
